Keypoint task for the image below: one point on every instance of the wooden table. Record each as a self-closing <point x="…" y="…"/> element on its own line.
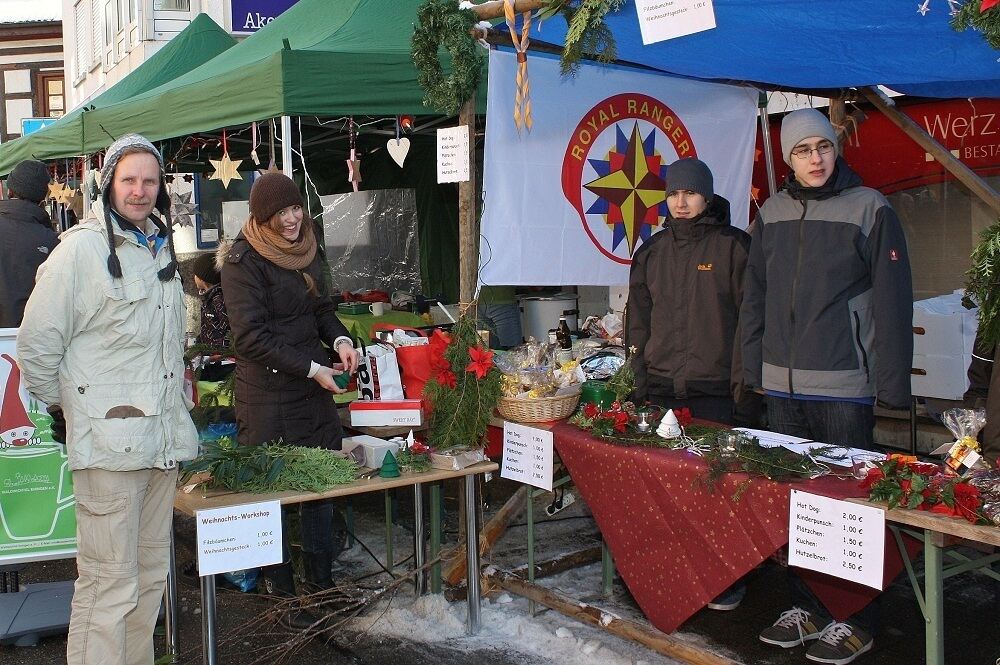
<point x="190" y="503"/>
<point x="939" y="533"/>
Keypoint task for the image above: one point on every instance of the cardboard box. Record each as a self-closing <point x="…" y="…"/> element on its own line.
<point x="387" y="413"/>
<point x="943" y="327"/>
<point x="943" y="377"/>
<point x="374" y="449"/>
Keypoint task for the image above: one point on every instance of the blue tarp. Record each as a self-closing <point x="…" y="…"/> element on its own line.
<point x="818" y="44"/>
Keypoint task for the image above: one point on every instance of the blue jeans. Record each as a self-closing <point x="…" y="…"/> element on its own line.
<point x="504" y="323"/>
<point x="836" y="423"/>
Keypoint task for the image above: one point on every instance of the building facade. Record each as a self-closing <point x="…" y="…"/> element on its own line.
<point x="31" y="74"/>
<point x="104" y="40"/>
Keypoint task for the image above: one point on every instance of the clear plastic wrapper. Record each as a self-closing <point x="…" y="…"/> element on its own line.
<point x="963" y="455"/>
<point x="988" y="484"/>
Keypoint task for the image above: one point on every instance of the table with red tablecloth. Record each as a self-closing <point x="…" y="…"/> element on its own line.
<point x="678" y="542"/>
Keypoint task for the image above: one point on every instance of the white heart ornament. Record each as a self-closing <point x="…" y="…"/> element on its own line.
<point x="398" y="149"/>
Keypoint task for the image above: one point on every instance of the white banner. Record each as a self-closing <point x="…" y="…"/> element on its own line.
<point x="570" y="201"/>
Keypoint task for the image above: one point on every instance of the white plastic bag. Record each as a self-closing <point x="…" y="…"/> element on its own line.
<point x="378" y="373"/>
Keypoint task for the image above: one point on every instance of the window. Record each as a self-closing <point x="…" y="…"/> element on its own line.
<point x="51" y="95"/>
<point x="82" y="32"/>
<point x="173" y="5"/>
<point x="109" y="34"/>
<point x="96" y="34"/>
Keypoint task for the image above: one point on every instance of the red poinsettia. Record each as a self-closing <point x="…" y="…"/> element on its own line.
<point x="447" y="378"/>
<point x="620" y="420"/>
<point x="482" y="361"/>
<point x="987" y="4"/>
<point x="684" y="417"/>
<point x="591" y="410"/>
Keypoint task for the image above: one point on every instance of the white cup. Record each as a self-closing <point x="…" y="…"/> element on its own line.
<point x="377" y="308"/>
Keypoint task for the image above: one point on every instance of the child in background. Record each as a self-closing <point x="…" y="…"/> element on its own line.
<point x="214" y="320"/>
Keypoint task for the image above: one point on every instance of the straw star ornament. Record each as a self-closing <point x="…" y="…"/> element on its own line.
<point x="226" y="170"/>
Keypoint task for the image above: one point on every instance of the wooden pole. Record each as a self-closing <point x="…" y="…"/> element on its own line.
<point x="962" y="173"/>
<point x="455" y="572"/>
<point x="545" y="568"/>
<point x="660" y="642"/>
<point x="494" y="8"/>
<point x="468" y="219"/>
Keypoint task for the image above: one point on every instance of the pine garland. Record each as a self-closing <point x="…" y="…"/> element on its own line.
<point x="969" y="15"/>
<point x="587" y="35"/>
<point x="442" y="23"/>
<point x="462" y="402"/>
<point x="983" y="285"/>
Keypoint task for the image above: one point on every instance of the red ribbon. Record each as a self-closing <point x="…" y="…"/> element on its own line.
<point x="987" y="4"/>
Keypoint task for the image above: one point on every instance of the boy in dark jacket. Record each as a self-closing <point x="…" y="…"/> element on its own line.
<point x="685" y="289"/>
<point x="826" y="323"/>
<point x="26" y="238"/>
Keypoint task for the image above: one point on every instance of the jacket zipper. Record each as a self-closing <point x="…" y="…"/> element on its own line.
<point x="857" y="336"/>
<point x="795" y="283"/>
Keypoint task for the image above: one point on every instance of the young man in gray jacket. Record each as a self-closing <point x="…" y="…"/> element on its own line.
<point x="102" y="344"/>
<point x="827" y="333"/>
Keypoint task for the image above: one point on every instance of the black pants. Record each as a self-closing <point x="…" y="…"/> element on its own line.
<point x="706" y="407"/>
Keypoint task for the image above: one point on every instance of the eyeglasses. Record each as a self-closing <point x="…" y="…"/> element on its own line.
<point x="805" y="152"/>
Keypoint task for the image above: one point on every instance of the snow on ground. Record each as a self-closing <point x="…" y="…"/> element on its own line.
<point x="547" y="639"/>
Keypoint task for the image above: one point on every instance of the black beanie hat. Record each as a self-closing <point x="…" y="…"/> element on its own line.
<point x="271" y="193"/>
<point x="205" y="270"/>
<point x="29" y="180"/>
<point x="692" y="175"/>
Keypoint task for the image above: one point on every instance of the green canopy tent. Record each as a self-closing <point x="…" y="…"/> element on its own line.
<point x="198" y="43"/>
<point x="322" y="58"/>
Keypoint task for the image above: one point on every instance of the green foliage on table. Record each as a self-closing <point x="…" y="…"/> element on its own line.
<point x="987" y="23"/>
<point x="622" y="382"/>
<point x="983" y="284"/>
<point x="461" y="414"/>
<point x="772" y="462"/>
<point x="271" y="467"/>
<point x="413" y="462"/>
<point x="442" y="23"/>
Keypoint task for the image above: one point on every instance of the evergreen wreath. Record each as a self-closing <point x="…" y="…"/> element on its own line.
<point x="972" y="15"/>
<point x="442" y="23"/>
<point x="983" y="285"/>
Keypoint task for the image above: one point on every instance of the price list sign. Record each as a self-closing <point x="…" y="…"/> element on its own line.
<point x="453" y="154"/>
<point x="527" y="455"/>
<point x="836" y="537"/>
<point x="239" y="537"/>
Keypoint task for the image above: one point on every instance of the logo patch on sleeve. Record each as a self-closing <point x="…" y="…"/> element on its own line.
<point x="893" y="255"/>
<point x="706" y="267"/>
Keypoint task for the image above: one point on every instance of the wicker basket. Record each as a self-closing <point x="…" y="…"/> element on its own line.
<point x="539" y="409"/>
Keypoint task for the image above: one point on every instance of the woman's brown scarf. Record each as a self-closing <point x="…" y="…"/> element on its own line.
<point x="279" y="251"/>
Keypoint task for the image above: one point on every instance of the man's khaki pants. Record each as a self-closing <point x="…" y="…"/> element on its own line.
<point x="123" y="522"/>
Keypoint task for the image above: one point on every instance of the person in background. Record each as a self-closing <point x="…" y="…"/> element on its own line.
<point x="102" y="343"/>
<point x="214" y="319"/>
<point x="499" y="313"/>
<point x="281" y="318"/>
<point x="26" y="238"/>
<point x="827" y="332"/>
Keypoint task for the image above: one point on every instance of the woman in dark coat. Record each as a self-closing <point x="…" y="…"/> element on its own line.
<point x="280" y="317"/>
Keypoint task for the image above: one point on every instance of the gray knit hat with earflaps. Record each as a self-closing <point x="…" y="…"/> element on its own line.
<point x="135" y="143"/>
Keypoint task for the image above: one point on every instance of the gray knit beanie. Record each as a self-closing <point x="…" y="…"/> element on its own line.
<point x="29" y="180"/>
<point x="692" y="175"/>
<point x="800" y="125"/>
<point x="126" y="145"/>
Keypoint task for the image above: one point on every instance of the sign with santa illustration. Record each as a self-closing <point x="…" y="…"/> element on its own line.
<point x="571" y="200"/>
<point x="37" y="519"/>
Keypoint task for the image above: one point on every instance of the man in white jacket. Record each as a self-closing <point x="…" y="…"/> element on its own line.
<point x="102" y="344"/>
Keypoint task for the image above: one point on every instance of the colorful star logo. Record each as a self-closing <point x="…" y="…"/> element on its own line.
<point x="630" y="187"/>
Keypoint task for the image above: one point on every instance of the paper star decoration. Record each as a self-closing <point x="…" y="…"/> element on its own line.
<point x="226" y="170"/>
<point x="630" y="187"/>
<point x="922" y="9"/>
<point x="188" y="177"/>
<point x="181" y="209"/>
<point x="66" y="195"/>
<point x="55" y="190"/>
<point x="354" y="169"/>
